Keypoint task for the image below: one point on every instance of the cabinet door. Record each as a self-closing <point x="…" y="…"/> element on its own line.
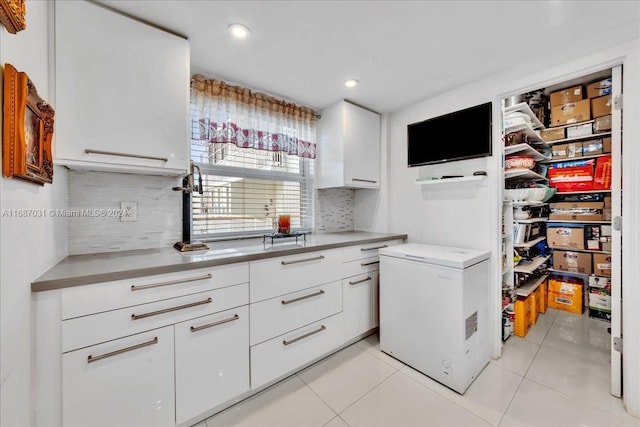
<point x="360" y="309"/>
<point x="121" y="87"/>
<point x="212" y="361"/>
<point x="128" y="381"/>
<point x="361" y="147"/>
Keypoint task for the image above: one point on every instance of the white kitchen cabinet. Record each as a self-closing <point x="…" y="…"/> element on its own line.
<point x="122" y="92"/>
<point x="278" y="315"/>
<point x="277" y="276"/>
<point x="289" y="352"/>
<point x="348" y="147"/>
<point x="360" y="295"/>
<point x="212" y="362"/>
<point x="142" y="395"/>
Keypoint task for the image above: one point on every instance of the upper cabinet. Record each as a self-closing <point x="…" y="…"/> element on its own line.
<point x="122" y="92"/>
<point x="348" y="147"/>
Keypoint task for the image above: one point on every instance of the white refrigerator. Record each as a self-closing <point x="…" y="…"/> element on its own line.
<point x="434" y="310"/>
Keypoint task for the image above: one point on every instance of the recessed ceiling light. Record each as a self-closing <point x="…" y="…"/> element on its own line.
<point x="351" y="83"/>
<point x="239" y="31"/>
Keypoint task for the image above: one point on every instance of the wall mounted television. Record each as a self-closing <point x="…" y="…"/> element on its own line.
<point x="461" y="135"/>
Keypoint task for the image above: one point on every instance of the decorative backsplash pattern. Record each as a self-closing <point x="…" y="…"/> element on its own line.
<point x="334" y="210"/>
<point x="159" y="212"/>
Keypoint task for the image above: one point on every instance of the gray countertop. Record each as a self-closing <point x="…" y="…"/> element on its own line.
<point x="80" y="270"/>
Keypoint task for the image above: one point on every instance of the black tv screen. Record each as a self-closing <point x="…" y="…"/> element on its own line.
<point x="460" y="135"/>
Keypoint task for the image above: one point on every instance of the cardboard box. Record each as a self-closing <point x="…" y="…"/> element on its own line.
<point x="607" y="201"/>
<point x="552" y="134"/>
<point x="593" y="147"/>
<point x="599" y="282"/>
<point x="606" y="145"/>
<point x="533" y="312"/>
<point x="565" y="295"/>
<point x="602" y="265"/>
<point x="566" y="151"/>
<point x="573" y="112"/>
<point x="576" y="262"/>
<point x="599" y="297"/>
<point x="565" y="96"/>
<point x="602" y="124"/>
<point x="606" y="214"/>
<point x="599" y="88"/>
<point x="580" y="130"/>
<point x="593" y="238"/>
<point x="565" y="237"/>
<point x="601" y="106"/>
<point x="602" y="174"/>
<point x="576" y="211"/>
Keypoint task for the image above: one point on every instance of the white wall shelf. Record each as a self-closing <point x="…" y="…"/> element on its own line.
<point x="529" y="267"/>
<point x="523" y="107"/>
<point x="532" y="135"/>
<point x="560" y="221"/>
<point x="577" y="138"/>
<point x="523" y="174"/>
<point x="584" y="192"/>
<point x="530" y="220"/>
<point x="594" y="156"/>
<point x="526" y="150"/>
<point x="529" y="244"/>
<point x="529" y="288"/>
<point x="435" y="181"/>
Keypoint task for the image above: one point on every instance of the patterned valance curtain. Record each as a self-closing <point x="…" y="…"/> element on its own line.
<point x="237" y="115"/>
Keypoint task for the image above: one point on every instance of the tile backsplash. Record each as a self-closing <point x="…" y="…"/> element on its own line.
<point x="159" y="211"/>
<point x="334" y="210"/>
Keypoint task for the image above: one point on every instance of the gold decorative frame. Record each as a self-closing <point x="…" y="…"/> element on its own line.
<point x="12" y="15"/>
<point x="27" y="130"/>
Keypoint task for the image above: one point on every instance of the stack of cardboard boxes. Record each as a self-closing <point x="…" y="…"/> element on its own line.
<point x="570" y="109"/>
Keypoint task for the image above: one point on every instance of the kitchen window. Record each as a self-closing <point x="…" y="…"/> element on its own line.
<point x="256" y="162"/>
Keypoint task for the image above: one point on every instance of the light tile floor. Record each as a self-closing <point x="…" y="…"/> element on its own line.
<point x="558" y="375"/>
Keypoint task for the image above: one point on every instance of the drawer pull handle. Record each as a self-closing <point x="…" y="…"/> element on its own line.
<point x="91" y="358"/>
<point x="360" y="281"/>
<point x="167" y="310"/>
<point x="373" y="248"/>
<point x="303" y="260"/>
<point x="315" y="294"/>
<point x="364" y="180"/>
<point x="170" y="282"/>
<point x="301" y="337"/>
<point x="364" y="264"/>
<point x="115" y="153"/>
<point x="211" y="325"/>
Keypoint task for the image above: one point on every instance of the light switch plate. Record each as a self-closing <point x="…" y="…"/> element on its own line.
<point x="129" y="211"/>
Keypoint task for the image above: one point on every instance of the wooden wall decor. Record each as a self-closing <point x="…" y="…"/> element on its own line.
<point x="27" y="130"/>
<point x="13" y="15"/>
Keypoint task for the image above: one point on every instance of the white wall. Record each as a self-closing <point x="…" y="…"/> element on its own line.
<point x="29" y="246"/>
<point x="467" y="214"/>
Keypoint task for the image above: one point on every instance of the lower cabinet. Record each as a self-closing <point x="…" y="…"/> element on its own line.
<point x="128" y="381"/>
<point x="211" y="361"/>
<point x="360" y="294"/>
<point x="274" y="358"/>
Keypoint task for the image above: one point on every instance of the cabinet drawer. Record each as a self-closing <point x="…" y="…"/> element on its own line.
<point x="212" y="361"/>
<point x="366" y="250"/>
<point x="278" y="356"/>
<point x="276" y="316"/>
<point x="278" y="276"/>
<point x="360" y="303"/>
<point x="128" y="381"/>
<point x="89" y="330"/>
<point x="360" y="266"/>
<point x="83" y="300"/>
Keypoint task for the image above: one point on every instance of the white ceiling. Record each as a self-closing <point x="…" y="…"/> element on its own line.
<point x="402" y="52"/>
